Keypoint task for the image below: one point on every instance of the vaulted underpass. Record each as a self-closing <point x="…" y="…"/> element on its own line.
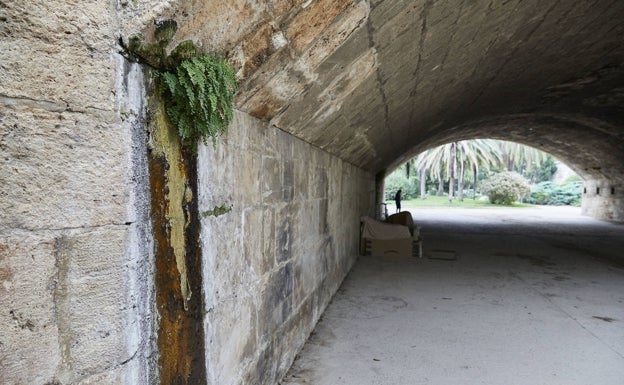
<point x="127" y="259"/>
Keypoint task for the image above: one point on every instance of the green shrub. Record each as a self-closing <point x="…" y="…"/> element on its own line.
<point x="540" y="193"/>
<point x="505" y="188"/>
<point x="410" y="187"/>
<point x="548" y="193"/>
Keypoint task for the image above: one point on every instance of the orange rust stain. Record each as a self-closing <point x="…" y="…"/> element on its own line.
<point x="313" y="20"/>
<point x="257" y="48"/>
<point x="180" y="334"/>
<point x="268" y="108"/>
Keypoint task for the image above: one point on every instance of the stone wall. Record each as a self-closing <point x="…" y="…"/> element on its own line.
<point x="274" y="260"/>
<point x="75" y="249"/>
<point x="603" y="200"/>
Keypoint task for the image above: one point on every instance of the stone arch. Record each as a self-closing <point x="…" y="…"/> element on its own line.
<point x="590" y="146"/>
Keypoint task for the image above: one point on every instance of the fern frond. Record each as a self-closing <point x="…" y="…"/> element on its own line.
<point x="199" y="97"/>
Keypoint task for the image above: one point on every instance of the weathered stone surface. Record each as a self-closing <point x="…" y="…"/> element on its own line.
<point x="58" y="56"/>
<point x="603" y="199"/>
<point x="279" y="251"/>
<point x="60" y="156"/>
<point x="312" y="20"/>
<point x="29" y="328"/>
<point x="366" y="83"/>
<point x="75" y="256"/>
<point x="61" y="304"/>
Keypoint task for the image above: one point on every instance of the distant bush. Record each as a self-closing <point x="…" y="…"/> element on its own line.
<point x="549" y="193"/>
<point x="410" y="187"/>
<point x="505" y="188"/>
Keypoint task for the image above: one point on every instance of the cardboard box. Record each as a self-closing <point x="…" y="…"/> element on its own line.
<point x="392" y="247"/>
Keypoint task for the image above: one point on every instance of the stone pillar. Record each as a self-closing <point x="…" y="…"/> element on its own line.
<point x="603" y="199"/>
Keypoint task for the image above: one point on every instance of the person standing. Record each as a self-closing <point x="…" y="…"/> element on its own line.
<point x="397" y="200"/>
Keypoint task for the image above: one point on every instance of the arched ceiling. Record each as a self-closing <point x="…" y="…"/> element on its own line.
<point x="376" y="81"/>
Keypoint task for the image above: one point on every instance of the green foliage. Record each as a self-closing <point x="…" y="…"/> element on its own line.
<point x="198" y="90"/>
<point x="199" y="95"/>
<point x="548" y="193"/>
<point x="505" y="187"/>
<point x="543" y="172"/>
<point x="410" y="187"/>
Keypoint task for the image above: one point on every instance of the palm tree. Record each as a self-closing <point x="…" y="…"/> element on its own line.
<point x="446" y="159"/>
<point x="422" y="171"/>
<point x="453" y="160"/>
<point x="434" y="160"/>
<point x="520" y="158"/>
<point x="473" y="154"/>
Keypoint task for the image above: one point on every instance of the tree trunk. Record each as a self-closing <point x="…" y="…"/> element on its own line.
<point x="474" y="186"/>
<point x="407" y="168"/>
<point x="423" y="183"/>
<point x="452" y="173"/>
<point x="460" y="182"/>
<point x="510" y="164"/>
<point x="440" y="187"/>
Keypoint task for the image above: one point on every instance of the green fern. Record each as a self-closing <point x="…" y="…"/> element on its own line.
<point x="199" y="97"/>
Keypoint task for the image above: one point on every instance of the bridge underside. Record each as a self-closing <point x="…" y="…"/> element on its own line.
<point x="375" y="82"/>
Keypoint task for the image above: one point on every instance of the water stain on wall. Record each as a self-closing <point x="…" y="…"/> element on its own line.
<point x="175" y="219"/>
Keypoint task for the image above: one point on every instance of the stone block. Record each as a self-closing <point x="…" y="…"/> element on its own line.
<point x="257" y="47"/>
<point x="271" y="180"/>
<point x="231" y="340"/>
<point x="28" y="316"/>
<point x="250" y="185"/>
<point x="254" y="242"/>
<point x="319" y="183"/>
<point x="60" y="156"/>
<point x="288" y="179"/>
<point x="285" y="234"/>
<point x="58" y="57"/>
<point x="91" y="293"/>
<point x="301" y="179"/>
<point x="268" y="233"/>
<point x="346" y="38"/>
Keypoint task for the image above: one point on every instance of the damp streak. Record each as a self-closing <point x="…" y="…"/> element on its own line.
<point x="175" y="221"/>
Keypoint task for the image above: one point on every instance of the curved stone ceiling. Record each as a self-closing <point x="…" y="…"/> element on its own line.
<point x="376" y="81"/>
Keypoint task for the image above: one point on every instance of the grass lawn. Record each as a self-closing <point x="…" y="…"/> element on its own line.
<point x="437" y="202"/>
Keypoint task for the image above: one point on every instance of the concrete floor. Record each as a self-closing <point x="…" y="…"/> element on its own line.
<point x="535" y="297"/>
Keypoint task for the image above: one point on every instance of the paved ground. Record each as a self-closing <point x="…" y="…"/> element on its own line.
<point x="535" y="297"/>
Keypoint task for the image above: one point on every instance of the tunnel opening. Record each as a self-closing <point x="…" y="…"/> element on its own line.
<point x="588" y="145"/>
<point x="476" y="173"/>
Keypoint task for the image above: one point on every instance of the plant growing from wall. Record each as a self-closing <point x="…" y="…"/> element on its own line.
<point x="198" y="89"/>
<point x="199" y="95"/>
